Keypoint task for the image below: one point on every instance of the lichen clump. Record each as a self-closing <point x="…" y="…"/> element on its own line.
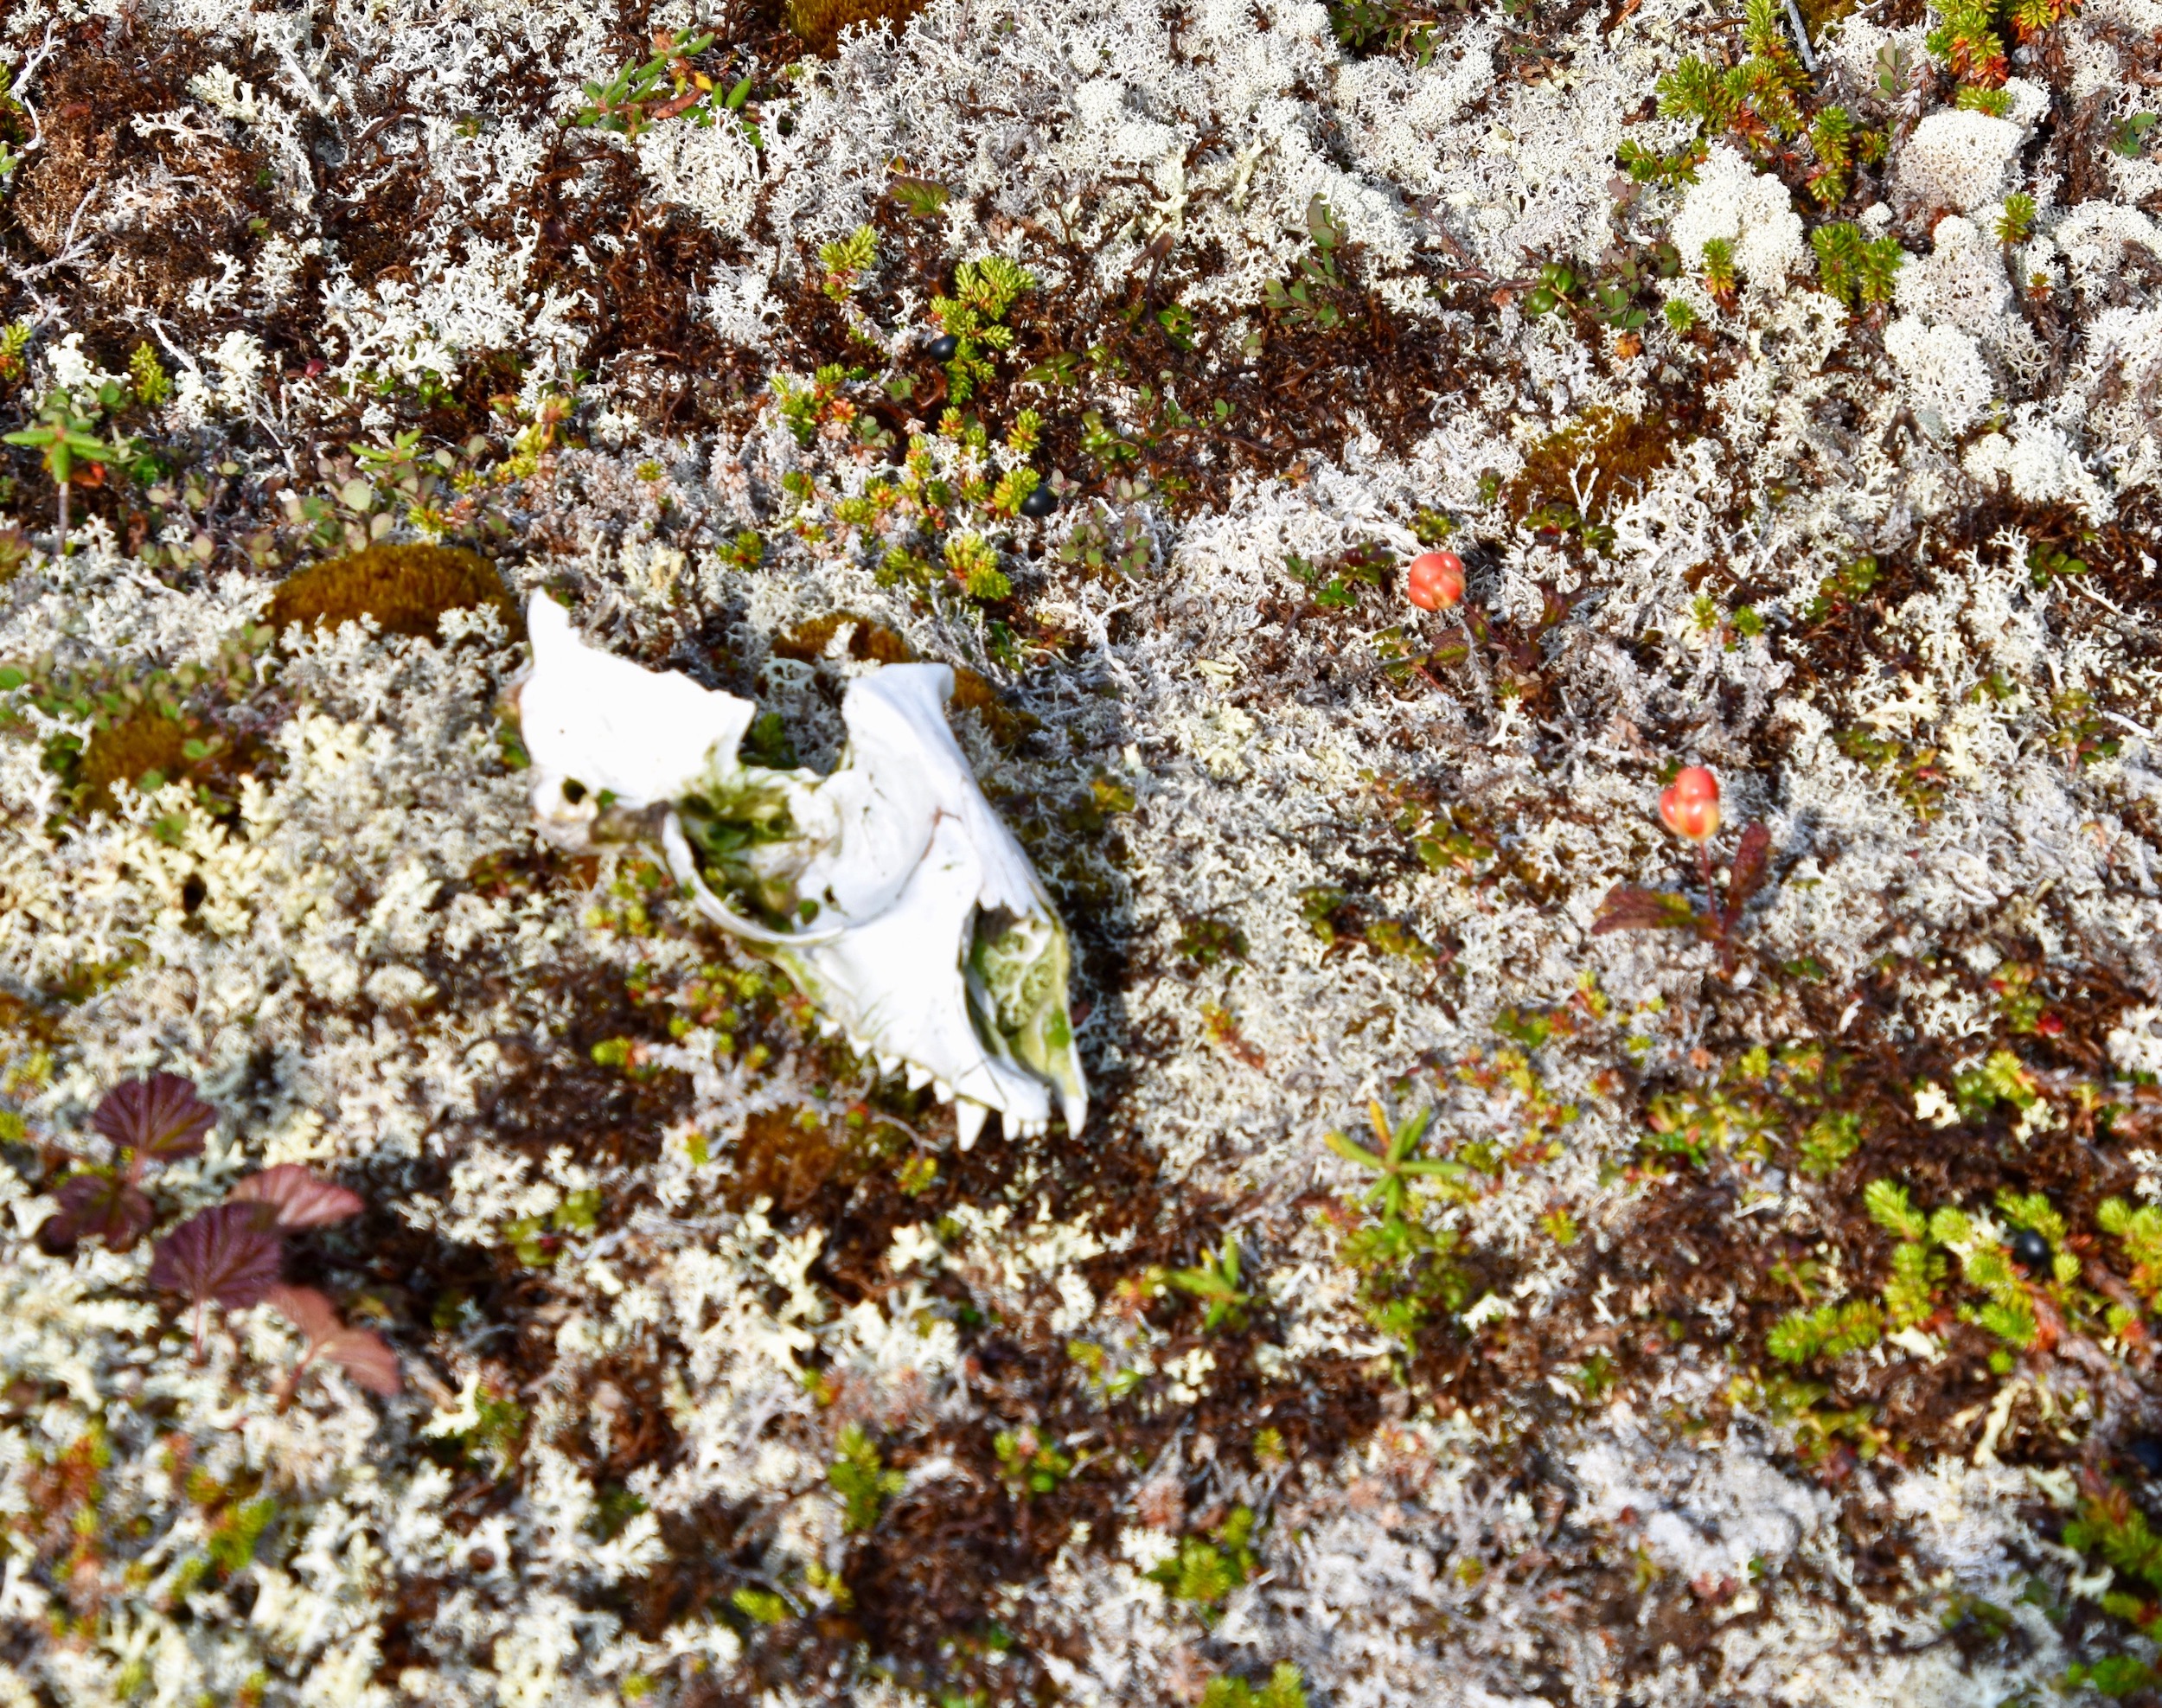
<point x="1524" y="1249"/>
<point x="405" y="588"/>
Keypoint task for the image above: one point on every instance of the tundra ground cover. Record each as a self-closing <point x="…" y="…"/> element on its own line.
<point x="1514" y="1256"/>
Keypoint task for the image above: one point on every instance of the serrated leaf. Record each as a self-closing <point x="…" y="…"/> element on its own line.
<point x="160" y="1118"/>
<point x="308" y="1309"/>
<point x="107" y="1205"/>
<point x="367" y="1358"/>
<point x="98" y="1202"/>
<point x="221" y="1253"/>
<point x="298" y="1198"/>
<point x="361" y="1353"/>
<point x="1627" y="908"/>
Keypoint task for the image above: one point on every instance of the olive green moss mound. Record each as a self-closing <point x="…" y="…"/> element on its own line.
<point x="405" y="588"/>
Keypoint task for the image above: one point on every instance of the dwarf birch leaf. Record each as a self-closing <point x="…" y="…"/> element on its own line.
<point x="1627" y="908"/>
<point x="299" y="1199"/>
<point x="100" y="1201"/>
<point x="160" y="1116"/>
<point x="220" y="1253"/>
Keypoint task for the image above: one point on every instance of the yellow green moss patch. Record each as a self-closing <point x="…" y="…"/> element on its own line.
<point x="405" y="588"/>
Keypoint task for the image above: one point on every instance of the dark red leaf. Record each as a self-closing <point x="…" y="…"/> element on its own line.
<point x="1627" y="908"/>
<point x="100" y="1202"/>
<point x="298" y="1198"/>
<point x="160" y="1118"/>
<point x="1746" y="875"/>
<point x="361" y="1353"/>
<point x="220" y="1253"/>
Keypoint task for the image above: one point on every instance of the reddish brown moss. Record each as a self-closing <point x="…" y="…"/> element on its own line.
<point x="1624" y="452"/>
<point x="818" y="23"/>
<point x="405" y="588"/>
<point x="785" y="1158"/>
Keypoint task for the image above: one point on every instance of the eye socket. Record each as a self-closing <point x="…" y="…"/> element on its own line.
<point x="573" y="791"/>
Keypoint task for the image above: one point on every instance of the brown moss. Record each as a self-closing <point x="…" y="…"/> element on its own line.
<point x="1624" y="452"/>
<point x="818" y="23"/>
<point x="1821" y="15"/>
<point x="872" y="642"/>
<point x="785" y="1157"/>
<point x="405" y="588"/>
<point x="144" y="743"/>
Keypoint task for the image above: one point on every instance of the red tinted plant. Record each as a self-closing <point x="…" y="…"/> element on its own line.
<point x="151" y="1122"/>
<point x="226" y="1253"/>
<point x="361" y="1353"/>
<point x="233" y="1254"/>
<point x="296" y="1198"/>
<point x="1690" y="808"/>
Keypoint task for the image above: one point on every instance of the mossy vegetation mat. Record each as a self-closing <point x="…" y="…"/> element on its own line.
<point x="1531" y="1243"/>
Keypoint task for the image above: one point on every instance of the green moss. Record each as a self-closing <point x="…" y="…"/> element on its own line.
<point x="405" y="588"/>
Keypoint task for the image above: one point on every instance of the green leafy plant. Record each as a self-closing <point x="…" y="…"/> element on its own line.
<point x="1407" y="1268"/>
<point x="984" y="292"/>
<point x="1030" y="1460"/>
<point x="1756" y="99"/>
<point x="1854" y="269"/>
<point x="1215" y="1281"/>
<point x="1843" y="588"/>
<point x="152" y="385"/>
<point x="15" y="339"/>
<point x="1286" y="1689"/>
<point x="859" y="1477"/>
<point x="760" y="1607"/>
<point x="631" y="102"/>
<point x="1719" y="277"/>
<point x="1648" y="166"/>
<point x="921" y="197"/>
<point x="2130" y="135"/>
<point x="62" y="439"/>
<point x="1310" y="297"/>
<point x="847" y="260"/>
<point x="1207" y="1572"/>
<point x="536" y="1240"/>
<point x="1832" y="136"/>
<point x="1829" y="1331"/>
<point x="1396" y="1162"/>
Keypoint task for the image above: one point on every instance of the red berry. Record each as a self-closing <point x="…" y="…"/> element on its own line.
<point x="1689" y="804"/>
<point x="1436" y="580"/>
